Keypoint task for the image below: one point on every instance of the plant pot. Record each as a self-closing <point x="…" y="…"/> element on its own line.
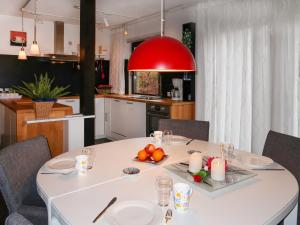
<point x="43" y="108"/>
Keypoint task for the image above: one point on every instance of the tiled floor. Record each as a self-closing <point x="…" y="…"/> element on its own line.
<point x="101" y="141"/>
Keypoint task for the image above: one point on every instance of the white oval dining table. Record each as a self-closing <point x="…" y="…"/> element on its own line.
<point x="76" y="199"/>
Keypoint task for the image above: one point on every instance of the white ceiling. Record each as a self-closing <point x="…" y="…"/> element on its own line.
<point x="117" y="12"/>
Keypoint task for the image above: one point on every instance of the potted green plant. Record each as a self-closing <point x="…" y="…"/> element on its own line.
<point x="42" y="94"/>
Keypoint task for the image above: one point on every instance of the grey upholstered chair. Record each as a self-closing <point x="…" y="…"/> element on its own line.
<point x="285" y="150"/>
<point x="17" y="219"/>
<point x="3" y="209"/>
<point x="19" y="164"/>
<point x="188" y="128"/>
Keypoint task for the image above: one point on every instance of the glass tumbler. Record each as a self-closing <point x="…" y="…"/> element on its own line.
<point x="228" y="151"/>
<point x="164" y="186"/>
<point x="168" y="134"/>
<point x="90" y="152"/>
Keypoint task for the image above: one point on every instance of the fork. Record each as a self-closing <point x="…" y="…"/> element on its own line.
<point x="168" y="215"/>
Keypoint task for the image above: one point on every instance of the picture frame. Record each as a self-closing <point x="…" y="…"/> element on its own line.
<point x="18" y="38"/>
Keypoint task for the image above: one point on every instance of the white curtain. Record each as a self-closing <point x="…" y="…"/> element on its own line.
<point x="248" y="69"/>
<point x="118" y="53"/>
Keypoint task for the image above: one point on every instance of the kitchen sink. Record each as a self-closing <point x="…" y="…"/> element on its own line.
<point x="146" y="97"/>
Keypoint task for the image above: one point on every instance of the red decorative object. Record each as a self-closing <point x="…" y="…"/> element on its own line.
<point x="104" y="86"/>
<point x="164" y="54"/>
<point x="18" y="38"/>
<point x="208" y="164"/>
<point x="197" y="178"/>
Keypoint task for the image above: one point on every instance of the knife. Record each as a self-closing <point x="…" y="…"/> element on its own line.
<point x="103" y="211"/>
<point x="189" y="141"/>
<point x="267" y="169"/>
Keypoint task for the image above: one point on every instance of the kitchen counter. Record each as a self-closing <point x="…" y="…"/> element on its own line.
<point x="24" y="105"/>
<point x="163" y="101"/>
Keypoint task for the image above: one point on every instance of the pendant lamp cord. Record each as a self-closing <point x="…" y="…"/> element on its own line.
<point x="162" y="20"/>
<point x="35" y="17"/>
<point x="22" y="27"/>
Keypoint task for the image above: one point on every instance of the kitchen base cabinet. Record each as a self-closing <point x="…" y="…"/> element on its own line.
<point x="127" y="119"/>
<point x="107" y="118"/>
<point x="135" y="119"/>
<point x="118" y="119"/>
<point x="182" y="111"/>
<point x="99" y="120"/>
<point x="99" y="113"/>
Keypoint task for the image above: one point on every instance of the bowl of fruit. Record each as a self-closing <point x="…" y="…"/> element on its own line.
<point x="151" y="154"/>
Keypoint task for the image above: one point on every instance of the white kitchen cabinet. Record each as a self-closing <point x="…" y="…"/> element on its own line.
<point x="74" y="103"/>
<point x="115" y="119"/>
<point x="135" y="114"/>
<point x="107" y="118"/>
<point x="99" y="120"/>
<point x="118" y="119"/>
<point x="128" y="119"/>
<point x="99" y="113"/>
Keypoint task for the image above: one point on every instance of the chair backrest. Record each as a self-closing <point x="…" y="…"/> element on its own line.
<point x="285" y="150"/>
<point x="188" y="128"/>
<point x="19" y="164"/>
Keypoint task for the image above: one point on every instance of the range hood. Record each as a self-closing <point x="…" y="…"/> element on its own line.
<point x="58" y="55"/>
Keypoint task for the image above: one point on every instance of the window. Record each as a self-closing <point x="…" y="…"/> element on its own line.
<point x="148" y="83"/>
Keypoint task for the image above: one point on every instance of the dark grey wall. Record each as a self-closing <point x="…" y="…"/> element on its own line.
<point x="14" y="71"/>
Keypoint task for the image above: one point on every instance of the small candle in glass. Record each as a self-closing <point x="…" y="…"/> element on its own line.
<point x="218" y="169"/>
<point x="195" y="163"/>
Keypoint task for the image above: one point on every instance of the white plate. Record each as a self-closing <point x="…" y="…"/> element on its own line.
<point x="179" y="139"/>
<point x="63" y="165"/>
<point x="134" y="213"/>
<point x="256" y="161"/>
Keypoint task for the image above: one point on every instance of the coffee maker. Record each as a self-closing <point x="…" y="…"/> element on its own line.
<point x="177" y="90"/>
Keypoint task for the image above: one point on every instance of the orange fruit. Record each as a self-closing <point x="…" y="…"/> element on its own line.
<point x="142" y="155"/>
<point x="158" y="155"/>
<point x="160" y="149"/>
<point x="150" y="148"/>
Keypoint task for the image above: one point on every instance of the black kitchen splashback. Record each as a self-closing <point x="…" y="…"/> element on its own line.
<point x="14" y="71"/>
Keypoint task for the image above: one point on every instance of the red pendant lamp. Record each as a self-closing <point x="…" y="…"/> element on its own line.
<point x="162" y="54"/>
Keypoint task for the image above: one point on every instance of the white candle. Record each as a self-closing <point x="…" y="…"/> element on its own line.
<point x="195" y="163"/>
<point x="218" y="169"/>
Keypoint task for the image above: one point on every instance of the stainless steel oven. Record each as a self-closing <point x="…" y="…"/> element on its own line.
<point x="154" y="114"/>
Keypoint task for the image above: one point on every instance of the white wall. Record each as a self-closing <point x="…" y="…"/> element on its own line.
<point x="45" y="36"/>
<point x="173" y="24"/>
<point x="45" y="32"/>
<point x="103" y="38"/>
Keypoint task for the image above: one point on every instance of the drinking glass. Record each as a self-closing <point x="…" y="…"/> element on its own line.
<point x="157" y="137"/>
<point x="228" y="151"/>
<point x="164" y="186"/>
<point x="168" y="134"/>
<point x="90" y="152"/>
